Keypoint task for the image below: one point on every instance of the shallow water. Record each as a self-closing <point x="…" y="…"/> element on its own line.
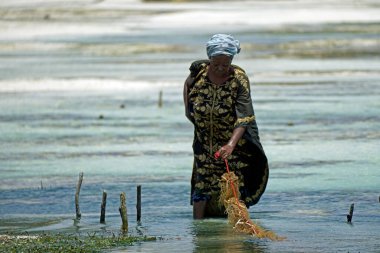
<point x="82" y="101"/>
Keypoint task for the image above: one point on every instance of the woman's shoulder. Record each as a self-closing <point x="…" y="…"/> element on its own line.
<point x="241" y="78"/>
<point x="238" y="70"/>
<point x="197" y="66"/>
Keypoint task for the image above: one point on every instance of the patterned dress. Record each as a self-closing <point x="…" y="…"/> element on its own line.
<point x="216" y="110"/>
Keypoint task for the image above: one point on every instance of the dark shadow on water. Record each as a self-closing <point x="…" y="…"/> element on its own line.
<point x="216" y="235"/>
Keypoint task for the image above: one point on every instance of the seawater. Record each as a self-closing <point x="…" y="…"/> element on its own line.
<point x="86" y="101"/>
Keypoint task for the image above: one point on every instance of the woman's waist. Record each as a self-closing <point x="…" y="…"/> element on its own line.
<point x="214" y="137"/>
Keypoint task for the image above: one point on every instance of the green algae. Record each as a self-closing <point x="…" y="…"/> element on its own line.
<point x="67" y="242"/>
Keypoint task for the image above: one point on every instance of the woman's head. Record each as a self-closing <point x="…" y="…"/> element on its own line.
<point x="220" y="65"/>
<point x="222" y="44"/>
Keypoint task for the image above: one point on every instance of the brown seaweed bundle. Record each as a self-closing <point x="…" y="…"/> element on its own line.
<point x="237" y="211"/>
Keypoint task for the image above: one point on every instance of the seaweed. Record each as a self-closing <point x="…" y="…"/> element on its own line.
<point x="237" y="211"/>
<point x="66" y="242"/>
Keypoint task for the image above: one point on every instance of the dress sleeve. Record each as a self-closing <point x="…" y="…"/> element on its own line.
<point x="244" y="108"/>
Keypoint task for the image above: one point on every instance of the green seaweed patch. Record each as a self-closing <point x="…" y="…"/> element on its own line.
<point x="67" y="242"/>
<point x="127" y="49"/>
<point x="322" y="48"/>
<point x="287" y="83"/>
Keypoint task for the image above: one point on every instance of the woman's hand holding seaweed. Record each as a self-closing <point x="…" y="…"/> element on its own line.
<point x="225" y="151"/>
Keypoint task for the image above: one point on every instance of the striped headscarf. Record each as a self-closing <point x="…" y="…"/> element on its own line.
<point x="222" y="44"/>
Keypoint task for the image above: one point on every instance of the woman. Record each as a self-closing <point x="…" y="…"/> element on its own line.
<point x="218" y="102"/>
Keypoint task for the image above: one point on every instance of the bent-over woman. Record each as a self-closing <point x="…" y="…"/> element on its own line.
<point x="218" y="102"/>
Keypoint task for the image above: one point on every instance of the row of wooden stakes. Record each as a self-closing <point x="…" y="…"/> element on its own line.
<point x="122" y="208"/>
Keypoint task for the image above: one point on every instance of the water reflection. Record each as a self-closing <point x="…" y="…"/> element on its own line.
<point x="216" y="235"/>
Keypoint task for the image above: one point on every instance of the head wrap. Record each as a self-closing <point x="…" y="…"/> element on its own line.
<point x="222" y="44"/>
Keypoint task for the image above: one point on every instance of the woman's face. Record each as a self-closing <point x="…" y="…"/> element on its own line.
<point x="220" y="65"/>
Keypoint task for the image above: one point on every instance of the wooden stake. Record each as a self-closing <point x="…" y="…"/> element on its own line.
<point x="123" y="212"/>
<point x="138" y="205"/>
<point x="160" y="99"/>
<point x="351" y="213"/>
<point x="77" y="196"/>
<point x="103" y="208"/>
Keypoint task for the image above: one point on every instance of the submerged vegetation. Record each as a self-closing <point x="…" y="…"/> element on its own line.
<point x="66" y="242"/>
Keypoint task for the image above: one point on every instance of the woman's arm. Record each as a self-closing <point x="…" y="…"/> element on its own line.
<point x="227" y="149"/>
<point x="244" y="112"/>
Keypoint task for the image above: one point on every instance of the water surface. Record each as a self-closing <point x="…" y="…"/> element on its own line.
<point x="84" y="98"/>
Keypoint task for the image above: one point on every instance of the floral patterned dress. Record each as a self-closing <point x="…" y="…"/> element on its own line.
<point x="216" y="110"/>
